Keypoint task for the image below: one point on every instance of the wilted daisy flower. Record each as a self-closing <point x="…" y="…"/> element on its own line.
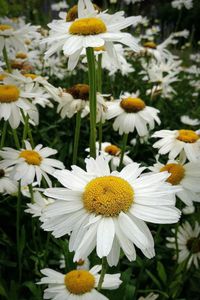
<point x="175" y="142"/>
<point x="188" y="240"/>
<point x="7" y="185"/>
<point x="76" y="98"/>
<point x="40" y="202"/>
<point x="13" y="98"/>
<point x="188" y="121"/>
<point x="82" y="264"/>
<point x="90" y="29"/>
<point x="77" y="284"/>
<point x="112" y="153"/>
<point x="130" y="113"/>
<point x="107" y="210"/>
<point x="185" y="175"/>
<point x="30" y="164"/>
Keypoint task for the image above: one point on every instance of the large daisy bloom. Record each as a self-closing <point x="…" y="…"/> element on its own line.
<point x="30" y="163"/>
<point x="185" y="175"/>
<point x="188" y="240"/>
<point x="107" y="210"/>
<point x="85" y="27"/>
<point x="174" y="142"/>
<point x="7" y="185"/>
<point x="77" y="284"/>
<point x="130" y="113"/>
<point x="13" y="99"/>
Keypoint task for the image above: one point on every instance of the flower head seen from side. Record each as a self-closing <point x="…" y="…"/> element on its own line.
<point x="175" y="142"/>
<point x="91" y="29"/>
<point x="185" y="175"/>
<point x="77" y="284"/>
<point x="189" y="121"/>
<point x="40" y="202"/>
<point x="82" y="264"/>
<point x="30" y="163"/>
<point x="7" y="185"/>
<point x="130" y="113"/>
<point x="188" y="240"/>
<point x="107" y="210"/>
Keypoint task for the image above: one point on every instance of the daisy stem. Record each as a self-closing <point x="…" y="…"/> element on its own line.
<point x="18" y="230"/>
<point x="92" y="99"/>
<point x="15" y="136"/>
<point x="5" y="56"/>
<point x="76" y="137"/>
<point x="27" y="127"/>
<point x="103" y="273"/>
<point x="3" y="135"/>
<point x="124" y="143"/>
<point x="99" y="89"/>
<point x="30" y="187"/>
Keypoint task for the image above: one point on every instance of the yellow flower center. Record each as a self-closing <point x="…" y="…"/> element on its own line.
<point x="31" y="157"/>
<point x="102" y="48"/>
<point x="108" y="196"/>
<point x="132" y="105"/>
<point x="79" y="91"/>
<point x="177" y="173"/>
<point x="4" y="27"/>
<point x="87" y="26"/>
<point x="150" y="44"/>
<point x="21" y="55"/>
<point x="72" y="13"/>
<point x="187" y="136"/>
<point x="79" y="282"/>
<point x="9" y="93"/>
<point x="112" y="150"/>
<point x="30" y="75"/>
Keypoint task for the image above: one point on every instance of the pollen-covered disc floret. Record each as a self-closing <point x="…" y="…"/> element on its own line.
<point x="177" y="173"/>
<point x="30" y="75"/>
<point x="132" y="105"/>
<point x="31" y="157"/>
<point x="108" y="196"/>
<point x="21" y="55"/>
<point x="79" y="91"/>
<point x="187" y="136"/>
<point x="9" y="93"/>
<point x="150" y="45"/>
<point x="193" y="245"/>
<point x="72" y="13"/>
<point x="87" y="26"/>
<point x="79" y="282"/>
<point x="4" y="27"/>
<point x="112" y="150"/>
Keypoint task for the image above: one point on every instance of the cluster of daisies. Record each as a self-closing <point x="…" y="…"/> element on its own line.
<point x="102" y="208"/>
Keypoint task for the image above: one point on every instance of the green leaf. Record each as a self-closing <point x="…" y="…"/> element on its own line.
<point x="161" y="272"/>
<point x="3" y="292"/>
<point x="154" y="279"/>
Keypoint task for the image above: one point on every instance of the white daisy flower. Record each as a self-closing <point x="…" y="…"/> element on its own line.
<point x="188" y="121"/>
<point x="11" y="37"/>
<point x="107" y="210"/>
<point x="76" y="98"/>
<point x="13" y="98"/>
<point x="29" y="163"/>
<point x="185" y="175"/>
<point x="7" y="185"/>
<point x="187" y="210"/>
<point x="130" y="113"/>
<point x="175" y="142"/>
<point x="90" y="29"/>
<point x="150" y="296"/>
<point x="112" y="153"/>
<point x="40" y="202"/>
<point x="188" y="240"/>
<point x="82" y="264"/>
<point x="77" y="284"/>
<point x="179" y="4"/>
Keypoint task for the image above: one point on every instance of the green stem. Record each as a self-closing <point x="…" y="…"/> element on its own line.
<point x="28" y="129"/>
<point x="76" y="137"/>
<point x="5" y="56"/>
<point x="99" y="73"/>
<point x="18" y="230"/>
<point x="124" y="143"/>
<point x="30" y="187"/>
<point x="3" y="135"/>
<point x="92" y="99"/>
<point x="103" y="273"/>
<point x="15" y="136"/>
